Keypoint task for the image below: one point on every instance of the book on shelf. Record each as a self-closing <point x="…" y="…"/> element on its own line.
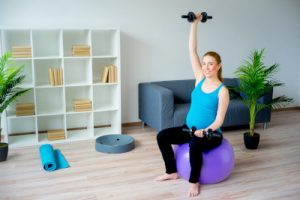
<point x="115" y="74"/>
<point x="51" y="76"/>
<point x="58" y="134"/>
<point x="21" y="51"/>
<point x="61" y="76"/>
<point x="104" y="75"/>
<point x="81" y="50"/>
<point x="55" y="76"/>
<point x="23" y="109"/>
<point x="80" y="105"/>
<point x="109" y="74"/>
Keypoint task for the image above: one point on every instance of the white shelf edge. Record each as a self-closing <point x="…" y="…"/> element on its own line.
<point x="47" y="58"/>
<point x="49" y="114"/>
<point x="74" y="112"/>
<point x="77" y="57"/>
<point x="105" y="56"/>
<point x="105" y="109"/>
<point x="104" y="84"/>
<point x="48" y="86"/>
<point x="20" y="117"/>
<point x="77" y="84"/>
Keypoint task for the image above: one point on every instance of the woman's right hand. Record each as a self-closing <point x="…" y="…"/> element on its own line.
<point x="198" y="18"/>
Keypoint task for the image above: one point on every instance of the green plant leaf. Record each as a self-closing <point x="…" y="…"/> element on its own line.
<point x="255" y="80"/>
<point x="280" y="102"/>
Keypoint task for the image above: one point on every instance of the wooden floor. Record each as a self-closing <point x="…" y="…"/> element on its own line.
<point x="270" y="172"/>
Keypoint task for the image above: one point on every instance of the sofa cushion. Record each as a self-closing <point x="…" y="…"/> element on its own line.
<point x="231" y="82"/>
<point x="237" y="114"/>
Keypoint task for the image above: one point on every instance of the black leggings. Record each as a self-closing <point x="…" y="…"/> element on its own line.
<point x="176" y="135"/>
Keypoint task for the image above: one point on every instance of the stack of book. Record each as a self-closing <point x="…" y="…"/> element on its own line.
<point x="109" y="74"/>
<point x="56" y="76"/>
<point x="81" y="50"/>
<point x="56" y="134"/>
<point x="23" y="109"/>
<point x="81" y="105"/>
<point x="21" y="52"/>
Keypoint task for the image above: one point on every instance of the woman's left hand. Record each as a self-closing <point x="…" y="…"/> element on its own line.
<point x="199" y="133"/>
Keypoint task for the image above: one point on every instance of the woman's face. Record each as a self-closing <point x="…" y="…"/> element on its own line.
<point x="210" y="67"/>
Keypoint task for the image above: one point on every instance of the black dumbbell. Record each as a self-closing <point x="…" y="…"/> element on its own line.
<point x="190" y="131"/>
<point x="209" y="134"/>
<point x="191" y="17"/>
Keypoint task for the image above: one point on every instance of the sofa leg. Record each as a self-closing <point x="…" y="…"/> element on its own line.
<point x="265" y="125"/>
<point x="143" y="124"/>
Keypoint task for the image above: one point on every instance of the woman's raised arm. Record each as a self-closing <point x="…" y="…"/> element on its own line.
<point x="195" y="61"/>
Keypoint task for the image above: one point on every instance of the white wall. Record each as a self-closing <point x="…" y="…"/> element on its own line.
<point x="155" y="39"/>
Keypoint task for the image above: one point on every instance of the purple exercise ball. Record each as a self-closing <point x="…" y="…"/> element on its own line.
<point x="217" y="163"/>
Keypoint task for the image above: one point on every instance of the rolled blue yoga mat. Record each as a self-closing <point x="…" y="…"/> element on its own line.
<point x="52" y="159"/>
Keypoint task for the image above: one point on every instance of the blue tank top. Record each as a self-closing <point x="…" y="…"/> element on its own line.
<point x="204" y="107"/>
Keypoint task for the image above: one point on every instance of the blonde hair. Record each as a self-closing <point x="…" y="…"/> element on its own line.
<point x="219" y="61"/>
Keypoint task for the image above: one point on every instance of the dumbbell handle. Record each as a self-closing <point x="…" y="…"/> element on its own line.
<point x="208" y="134"/>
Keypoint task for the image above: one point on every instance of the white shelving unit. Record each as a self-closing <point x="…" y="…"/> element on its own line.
<point x="81" y="80"/>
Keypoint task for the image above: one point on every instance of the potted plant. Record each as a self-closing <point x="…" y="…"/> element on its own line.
<point x="255" y="80"/>
<point x="10" y="79"/>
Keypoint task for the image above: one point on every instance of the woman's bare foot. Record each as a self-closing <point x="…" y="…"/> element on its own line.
<point x="165" y="177"/>
<point x="194" y="190"/>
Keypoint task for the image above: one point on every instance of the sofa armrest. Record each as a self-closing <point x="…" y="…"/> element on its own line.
<point x="156" y="105"/>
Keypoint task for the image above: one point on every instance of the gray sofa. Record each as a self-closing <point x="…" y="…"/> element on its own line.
<point x="165" y="104"/>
